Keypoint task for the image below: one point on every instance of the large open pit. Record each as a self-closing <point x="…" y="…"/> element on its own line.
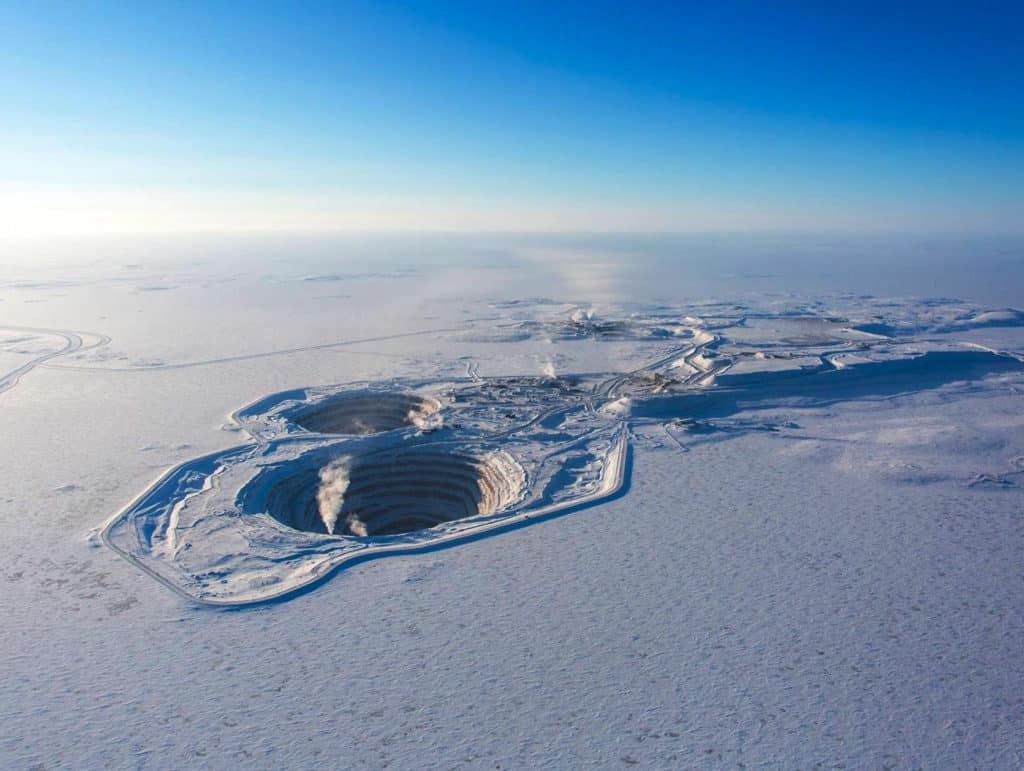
<point x="367" y="412"/>
<point x="397" y="491"/>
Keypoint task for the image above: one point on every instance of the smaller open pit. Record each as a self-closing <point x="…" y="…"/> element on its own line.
<point x="398" y="491"/>
<point x="367" y="412"/>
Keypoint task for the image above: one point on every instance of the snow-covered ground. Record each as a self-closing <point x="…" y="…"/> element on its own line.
<point x="734" y="508"/>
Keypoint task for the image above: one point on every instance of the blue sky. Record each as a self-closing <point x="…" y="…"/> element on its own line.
<point x="126" y="117"/>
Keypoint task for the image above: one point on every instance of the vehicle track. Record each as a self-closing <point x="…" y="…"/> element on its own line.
<point x="73" y="343"/>
<point x="251" y="356"/>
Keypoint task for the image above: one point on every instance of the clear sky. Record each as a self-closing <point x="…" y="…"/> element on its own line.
<point x="536" y="116"/>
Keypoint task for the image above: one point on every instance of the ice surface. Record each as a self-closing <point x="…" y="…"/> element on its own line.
<point x="705" y="519"/>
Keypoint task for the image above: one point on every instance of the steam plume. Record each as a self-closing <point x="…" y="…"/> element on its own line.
<point x="355" y="525"/>
<point x="331" y="493"/>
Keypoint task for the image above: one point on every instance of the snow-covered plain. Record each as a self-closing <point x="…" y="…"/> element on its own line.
<point x="740" y="505"/>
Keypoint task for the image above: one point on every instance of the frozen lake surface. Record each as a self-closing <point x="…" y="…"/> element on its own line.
<point x="512" y="502"/>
